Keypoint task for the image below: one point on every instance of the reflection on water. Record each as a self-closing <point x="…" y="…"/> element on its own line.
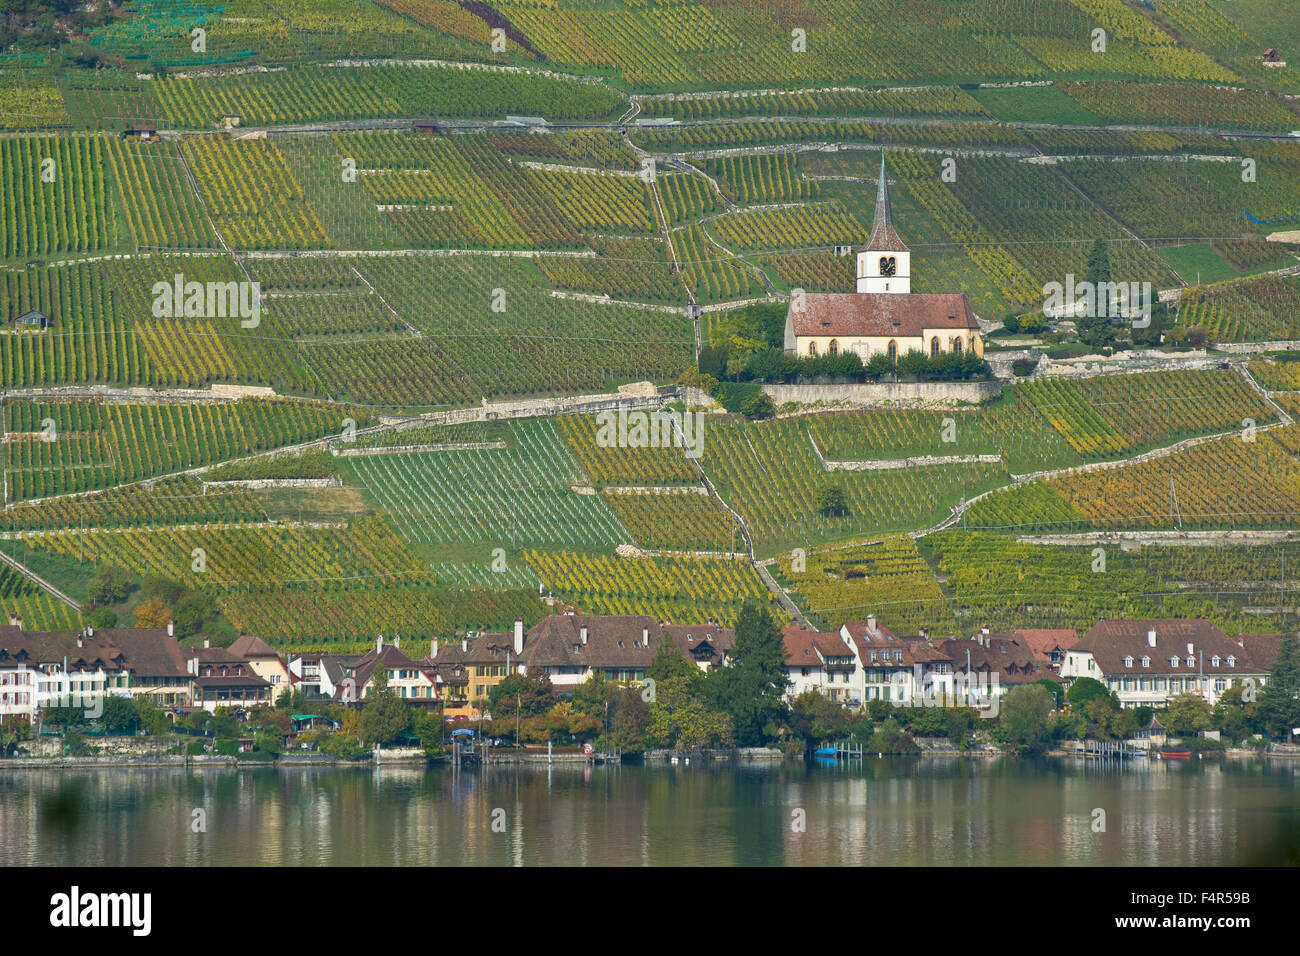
<point x="873" y="812"/>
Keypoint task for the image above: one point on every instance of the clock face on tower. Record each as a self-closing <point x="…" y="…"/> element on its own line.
<point x="888" y="265"/>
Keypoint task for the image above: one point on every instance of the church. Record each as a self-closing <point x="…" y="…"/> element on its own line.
<point x="884" y="315"/>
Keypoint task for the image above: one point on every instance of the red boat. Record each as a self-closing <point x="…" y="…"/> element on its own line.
<point x="1176" y="754"/>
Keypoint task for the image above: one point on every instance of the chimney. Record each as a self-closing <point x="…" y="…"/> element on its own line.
<point x="583" y="634"/>
<point x="14" y="619"/>
<point x="519" y="637"/>
<point x="464" y="645"/>
<point x="433" y="649"/>
<point x="397" y="641"/>
<point x="207" y="642"/>
<point x="1190" y="649"/>
<point x="924" y="633"/>
<point x="171" y="628"/>
<point x="79" y="640"/>
<point x="1151" y="637"/>
<point x="379" y="645"/>
<point x="645" y="637"/>
<point x="871" y="624"/>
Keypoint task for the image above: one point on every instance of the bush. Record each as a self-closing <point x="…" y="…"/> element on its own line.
<point x="194" y="748"/>
<point x="227" y="746"/>
<point x="733" y="395"/>
<point x="758" y="406"/>
<point x="1011" y="323"/>
<point x="1023" y="366"/>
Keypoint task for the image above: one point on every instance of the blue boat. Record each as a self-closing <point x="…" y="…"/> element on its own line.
<point x="824" y="752"/>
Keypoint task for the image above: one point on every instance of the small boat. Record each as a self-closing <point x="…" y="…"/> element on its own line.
<point x="824" y="752"/>
<point x="1176" y="754"/>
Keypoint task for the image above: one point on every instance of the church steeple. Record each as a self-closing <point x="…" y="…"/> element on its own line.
<point x="883" y="236"/>
<point x="883" y="263"/>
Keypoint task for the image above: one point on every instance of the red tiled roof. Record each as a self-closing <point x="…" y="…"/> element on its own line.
<point x="881" y="314"/>
<point x="1111" y="642"/>
<point x="1043" y="640"/>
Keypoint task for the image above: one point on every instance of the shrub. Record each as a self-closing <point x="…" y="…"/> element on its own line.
<point x="194" y="748"/>
<point x="227" y="746"/>
<point x="1023" y="366"/>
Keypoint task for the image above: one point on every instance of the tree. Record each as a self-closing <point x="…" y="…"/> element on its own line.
<point x="815" y="717"/>
<point x="1094" y="326"/>
<point x="169" y="591"/>
<point x="522" y="696"/>
<point x="1236" y="716"/>
<point x="680" y="720"/>
<point x="191" y="611"/>
<point x="1023" y="718"/>
<point x="1188" y="714"/>
<point x="1056" y="690"/>
<point x="831" y="500"/>
<point x="591" y="697"/>
<point x="890" y="738"/>
<point x="670" y="662"/>
<point x="152" y="613"/>
<point x="752" y="689"/>
<point x="1279" y="705"/>
<point x="1085" y="689"/>
<point x="111" y="585"/>
<point x="384" y="716"/>
<point x="120" y="717"/>
<point x="629" y="719"/>
<point x="100" y="618"/>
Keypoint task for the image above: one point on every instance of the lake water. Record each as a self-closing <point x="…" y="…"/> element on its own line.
<point x="899" y="811"/>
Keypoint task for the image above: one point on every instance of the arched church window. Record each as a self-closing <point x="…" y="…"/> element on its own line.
<point x="812" y="349"/>
<point x="934" y="347"/>
<point x="893" y="352"/>
<point x="833" y="348"/>
<point x="956" y="346"/>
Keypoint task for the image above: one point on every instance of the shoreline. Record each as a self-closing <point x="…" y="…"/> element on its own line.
<point x="657" y="759"/>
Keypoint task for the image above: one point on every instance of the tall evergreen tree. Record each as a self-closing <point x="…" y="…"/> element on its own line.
<point x="1094" y="328"/>
<point x="752" y="688"/>
<point x="1279" y="701"/>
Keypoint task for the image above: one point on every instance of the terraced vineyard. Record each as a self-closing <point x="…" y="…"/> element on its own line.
<point x="519" y="496"/>
<point x="674" y="589"/>
<point x="888" y="578"/>
<point x="438" y="221"/>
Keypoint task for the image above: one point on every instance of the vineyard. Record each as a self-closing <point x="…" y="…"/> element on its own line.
<point x="1004" y="583"/>
<point x="674" y="589"/>
<point x="53" y="196"/>
<point x="1112" y="415"/>
<point x="60" y="448"/>
<point x="521" y="495"/>
<point x="770" y="474"/>
<point x="887" y="578"/>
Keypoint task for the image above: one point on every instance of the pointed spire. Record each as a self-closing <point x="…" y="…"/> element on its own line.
<point x="883" y="237"/>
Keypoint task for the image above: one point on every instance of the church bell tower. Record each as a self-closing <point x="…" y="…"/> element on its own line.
<point x="884" y="264"/>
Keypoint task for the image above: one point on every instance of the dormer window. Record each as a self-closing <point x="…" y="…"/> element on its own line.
<point x="1191" y="661"/>
<point x="1232" y="661"/>
<point x="1173" y="662"/>
<point x="1214" y="661"/>
<point x="873" y="655"/>
<point x="1128" y="662"/>
<point x="1146" y="662"/>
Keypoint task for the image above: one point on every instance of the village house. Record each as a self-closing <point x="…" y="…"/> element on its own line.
<point x="1148" y="662"/>
<point x="820" y="661"/>
<point x="406" y="678"/>
<point x="263" y="662"/>
<point x="221" y="679"/>
<point x="884" y="316"/>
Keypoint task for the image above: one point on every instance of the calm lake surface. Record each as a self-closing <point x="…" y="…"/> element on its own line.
<point x="901" y="811"/>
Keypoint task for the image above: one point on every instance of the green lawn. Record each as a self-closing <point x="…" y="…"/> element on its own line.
<point x="1033" y="104"/>
<point x="1197" y="259"/>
